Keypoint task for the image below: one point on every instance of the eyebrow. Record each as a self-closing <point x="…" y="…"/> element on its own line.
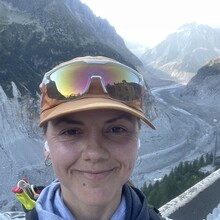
<point x="72" y="121"/>
<point x="66" y="120"/>
<point x="123" y="116"/>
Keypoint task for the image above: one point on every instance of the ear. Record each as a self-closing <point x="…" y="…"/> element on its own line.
<point x="46" y="146"/>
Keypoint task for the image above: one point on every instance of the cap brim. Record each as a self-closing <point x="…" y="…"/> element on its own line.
<point x="89" y="104"/>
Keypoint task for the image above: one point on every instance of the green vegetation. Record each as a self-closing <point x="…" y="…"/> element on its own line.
<point x="182" y="177"/>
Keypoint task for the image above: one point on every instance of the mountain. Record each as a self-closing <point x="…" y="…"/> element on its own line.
<point x="37" y="35"/>
<point x="204" y="88"/>
<point x="187" y="122"/>
<point x="182" y="53"/>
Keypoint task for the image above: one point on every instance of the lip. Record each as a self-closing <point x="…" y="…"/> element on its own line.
<point x="96" y="175"/>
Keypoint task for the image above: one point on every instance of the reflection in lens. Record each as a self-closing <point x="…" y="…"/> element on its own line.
<point x="124" y="91"/>
<point x="53" y="92"/>
<point x="72" y="81"/>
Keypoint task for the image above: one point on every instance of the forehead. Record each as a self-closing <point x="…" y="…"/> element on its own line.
<point x="106" y="115"/>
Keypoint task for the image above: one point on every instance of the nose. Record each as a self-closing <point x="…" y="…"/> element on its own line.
<point x="94" y="150"/>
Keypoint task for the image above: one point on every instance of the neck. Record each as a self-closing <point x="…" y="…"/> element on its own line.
<point x="94" y="213"/>
<point x="82" y="211"/>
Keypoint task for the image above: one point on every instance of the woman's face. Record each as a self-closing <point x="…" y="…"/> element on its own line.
<point x="93" y="154"/>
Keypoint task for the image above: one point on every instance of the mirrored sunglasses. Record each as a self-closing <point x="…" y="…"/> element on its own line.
<point x="72" y="80"/>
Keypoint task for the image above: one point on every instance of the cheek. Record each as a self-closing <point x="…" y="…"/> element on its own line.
<point x="133" y="159"/>
<point x="127" y="156"/>
<point x="63" y="156"/>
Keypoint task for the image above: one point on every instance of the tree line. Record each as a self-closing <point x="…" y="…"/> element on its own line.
<point x="182" y="177"/>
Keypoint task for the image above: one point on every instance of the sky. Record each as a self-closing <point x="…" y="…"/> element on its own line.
<point x="149" y="22"/>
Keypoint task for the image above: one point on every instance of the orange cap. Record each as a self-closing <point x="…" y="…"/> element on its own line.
<point x="94" y="98"/>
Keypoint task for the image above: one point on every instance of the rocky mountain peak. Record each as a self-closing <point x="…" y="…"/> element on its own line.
<point x="183" y="52"/>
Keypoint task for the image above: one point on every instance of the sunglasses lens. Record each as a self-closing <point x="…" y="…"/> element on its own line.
<point x="68" y="82"/>
<point x="72" y="81"/>
<point x="123" y="84"/>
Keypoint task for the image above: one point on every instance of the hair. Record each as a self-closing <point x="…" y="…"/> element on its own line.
<point x="45" y="128"/>
<point x="139" y="123"/>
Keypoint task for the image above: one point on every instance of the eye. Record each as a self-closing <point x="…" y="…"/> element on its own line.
<point x="70" y="132"/>
<point x="117" y="130"/>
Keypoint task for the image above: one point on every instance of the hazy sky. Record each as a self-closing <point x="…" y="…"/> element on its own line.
<point x="149" y="21"/>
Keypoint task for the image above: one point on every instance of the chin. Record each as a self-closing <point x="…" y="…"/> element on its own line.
<point x="101" y="195"/>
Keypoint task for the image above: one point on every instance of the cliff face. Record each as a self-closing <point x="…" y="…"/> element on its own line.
<point x="36" y="35"/>
<point x="204" y="86"/>
<point x="183" y="52"/>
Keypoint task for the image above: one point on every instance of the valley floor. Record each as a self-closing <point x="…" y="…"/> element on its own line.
<point x="185" y="131"/>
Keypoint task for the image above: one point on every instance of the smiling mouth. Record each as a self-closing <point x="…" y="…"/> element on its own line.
<point x="96" y="175"/>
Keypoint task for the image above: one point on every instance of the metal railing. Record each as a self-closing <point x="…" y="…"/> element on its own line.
<point x="184" y="198"/>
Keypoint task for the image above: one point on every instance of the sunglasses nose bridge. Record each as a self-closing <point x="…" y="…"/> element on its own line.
<point x="96" y="85"/>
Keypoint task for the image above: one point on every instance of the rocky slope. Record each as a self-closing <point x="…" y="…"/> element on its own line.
<point x="188" y="124"/>
<point x="36" y="35"/>
<point x="204" y="86"/>
<point x="183" y="52"/>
